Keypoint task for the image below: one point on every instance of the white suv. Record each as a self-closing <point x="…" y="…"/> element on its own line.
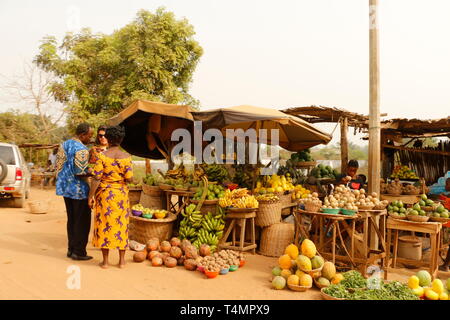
<point x="15" y="177"/>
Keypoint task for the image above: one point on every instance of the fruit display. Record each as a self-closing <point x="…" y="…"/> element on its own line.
<point x="216" y="172"/>
<point x="311" y="200"/>
<point x="395" y="187"/>
<point x="243" y="175"/>
<point x="424" y="287"/>
<point x="300" y="192"/>
<point x="202" y="229"/>
<point x="273" y="184"/>
<point x="268" y="198"/>
<point x="134" y="185"/>
<point x="411" y="189"/>
<point x="440" y="212"/>
<point x="403" y="172"/>
<point x="346" y="198"/>
<point x="354" y="286"/>
<point x="302" y="156"/>
<point x="397" y="208"/>
<point x="238" y="198"/>
<point x="140" y="210"/>
<point x="214" y="192"/>
<point x="322" y="171"/>
<point x="152" y="179"/>
<point x="221" y="260"/>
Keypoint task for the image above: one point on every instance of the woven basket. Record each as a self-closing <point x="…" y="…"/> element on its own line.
<point x="428" y="208"/>
<point x="38" y="207"/>
<point x="394" y="216"/>
<point x="151" y="190"/>
<point x="165" y="186"/>
<point x="310" y="207"/>
<point x="441" y="220"/>
<point x="276" y="238"/>
<point x="328" y="297"/>
<point x="134" y="196"/>
<point x="285" y="199"/>
<point x="207" y="206"/>
<point x="153" y="202"/>
<point x="396" y="194"/>
<point x="293" y="287"/>
<point x="142" y="230"/>
<point x="418" y="218"/>
<point x="366" y="207"/>
<point x="268" y="213"/>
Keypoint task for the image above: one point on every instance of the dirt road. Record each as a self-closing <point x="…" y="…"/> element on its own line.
<point x="33" y="265"/>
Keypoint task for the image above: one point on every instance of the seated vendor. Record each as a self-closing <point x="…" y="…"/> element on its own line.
<point x="350" y="177"/>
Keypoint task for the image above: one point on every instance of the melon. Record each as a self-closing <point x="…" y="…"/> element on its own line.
<point x="431" y="295"/>
<point x="304" y="263"/>
<point x="443" y="296"/>
<point x="293" y="280"/>
<point x="140" y="256"/>
<point x="175" y="252"/>
<point x="437" y="286"/>
<point x="285" y="262"/>
<point x="424" y="278"/>
<point x="276" y="271"/>
<point x="292" y="251"/>
<point x="419" y="291"/>
<point x="337" y="278"/>
<point x="308" y="248"/>
<point x="323" y="282"/>
<point x="278" y="283"/>
<point x="328" y="270"/>
<point x="306" y="280"/>
<point x="285" y="273"/>
<point x="317" y="262"/>
<point x="170" y="262"/>
<point x="413" y="282"/>
<point x="299" y="273"/>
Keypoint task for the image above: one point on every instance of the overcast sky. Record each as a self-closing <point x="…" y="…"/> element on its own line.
<point x="276" y="54"/>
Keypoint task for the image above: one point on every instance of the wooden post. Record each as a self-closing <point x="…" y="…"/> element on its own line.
<point x="344" y="145"/>
<point x="148" y="167"/>
<point x="374" y="107"/>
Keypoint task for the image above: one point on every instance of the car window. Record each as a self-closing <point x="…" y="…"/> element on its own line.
<point x="7" y="155"/>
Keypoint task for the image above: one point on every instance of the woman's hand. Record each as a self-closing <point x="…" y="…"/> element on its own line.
<point x="347" y="179"/>
<point x="91" y="202"/>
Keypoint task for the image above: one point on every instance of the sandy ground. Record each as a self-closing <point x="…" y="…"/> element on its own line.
<point x="33" y="265"/>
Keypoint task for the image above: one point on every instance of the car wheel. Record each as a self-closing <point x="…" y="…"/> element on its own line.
<point x="19" y="202"/>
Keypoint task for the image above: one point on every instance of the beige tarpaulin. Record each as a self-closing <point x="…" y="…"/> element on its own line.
<point x="295" y="134"/>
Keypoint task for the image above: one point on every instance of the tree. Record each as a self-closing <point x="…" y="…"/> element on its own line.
<point x="31" y="90"/>
<point x="152" y="58"/>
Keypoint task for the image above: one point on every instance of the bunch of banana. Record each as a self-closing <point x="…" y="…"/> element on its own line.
<point x="246" y="202"/>
<point x="238" y="193"/>
<point x="225" y="202"/>
<point x="209" y="238"/>
<point x="268" y="197"/>
<point x="213" y="223"/>
<point x="216" y="172"/>
<point x="187" y="232"/>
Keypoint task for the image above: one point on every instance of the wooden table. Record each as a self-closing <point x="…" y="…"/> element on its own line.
<point x="431" y="228"/>
<point x="338" y="224"/>
<point x="180" y="202"/>
<point x="374" y="235"/>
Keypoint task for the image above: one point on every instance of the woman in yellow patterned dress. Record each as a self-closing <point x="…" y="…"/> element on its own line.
<point x="109" y="197"/>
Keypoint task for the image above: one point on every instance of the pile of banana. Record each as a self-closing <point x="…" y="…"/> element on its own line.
<point x="238" y="198"/>
<point x="202" y="229"/>
<point x="268" y="198"/>
<point x="216" y="172"/>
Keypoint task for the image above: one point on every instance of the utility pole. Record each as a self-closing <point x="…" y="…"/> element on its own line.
<point x="374" y="104"/>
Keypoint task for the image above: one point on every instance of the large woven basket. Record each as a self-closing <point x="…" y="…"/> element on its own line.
<point x="134" y="196"/>
<point x="268" y="213"/>
<point x="142" y="230"/>
<point x="285" y="199"/>
<point x="153" y="202"/>
<point x="38" y="207"/>
<point x="151" y="190"/>
<point x="276" y="238"/>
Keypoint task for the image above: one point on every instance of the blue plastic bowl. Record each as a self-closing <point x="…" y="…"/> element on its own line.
<point x="223" y="271"/>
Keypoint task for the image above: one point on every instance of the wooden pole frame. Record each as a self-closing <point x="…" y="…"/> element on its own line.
<point x="374" y="101"/>
<point x="344" y="145"/>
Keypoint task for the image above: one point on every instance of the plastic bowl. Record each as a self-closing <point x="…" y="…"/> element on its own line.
<point x="224" y="271"/>
<point x="346" y="212"/>
<point x="331" y="211"/>
<point x="233" y="268"/>
<point x="241" y="263"/>
<point x="211" y="274"/>
<point x="136" y="213"/>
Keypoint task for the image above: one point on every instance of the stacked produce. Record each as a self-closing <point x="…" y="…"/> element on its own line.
<point x="290" y="171"/>
<point x="300" y="192"/>
<point x="216" y="172"/>
<point x="221" y="261"/>
<point x="395" y="187"/>
<point x="274" y="183"/>
<point x="238" y="198"/>
<point x="355" y="287"/>
<point x="268" y="198"/>
<point x="397" y="209"/>
<point x="297" y="267"/>
<point x="302" y="156"/>
<point x="440" y="212"/>
<point x="152" y="179"/>
<point x="170" y="254"/>
<point x="202" y="229"/>
<point x="423" y="287"/>
<point x="147" y="213"/>
<point x="243" y="175"/>
<point x="322" y="171"/>
<point x="411" y="189"/>
<point x="311" y="201"/>
<point x="403" y="172"/>
<point x="214" y="192"/>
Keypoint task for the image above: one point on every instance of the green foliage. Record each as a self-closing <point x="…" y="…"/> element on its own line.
<point x="151" y="58"/>
<point x="19" y="128"/>
<point x="333" y="152"/>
